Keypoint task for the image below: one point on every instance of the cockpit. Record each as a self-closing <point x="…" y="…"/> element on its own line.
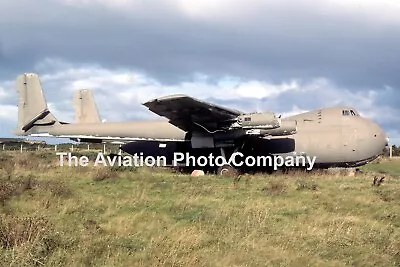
<point x="350" y="112"/>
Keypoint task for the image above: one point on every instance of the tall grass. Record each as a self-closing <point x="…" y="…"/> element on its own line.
<point x="149" y="217"/>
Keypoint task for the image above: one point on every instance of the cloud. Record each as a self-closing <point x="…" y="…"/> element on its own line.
<point x="353" y="43"/>
<point x="3" y="93"/>
<point x="7" y="112"/>
<point x="394" y="137"/>
<point x="8" y="122"/>
<point x="219" y="10"/>
<point x="128" y="86"/>
<point x="6" y="91"/>
<point x="1" y="51"/>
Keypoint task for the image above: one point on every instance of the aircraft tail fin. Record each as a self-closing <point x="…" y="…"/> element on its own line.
<point x="33" y="113"/>
<point x="85" y="107"/>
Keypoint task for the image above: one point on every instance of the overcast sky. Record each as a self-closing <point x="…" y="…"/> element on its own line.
<point x="254" y="55"/>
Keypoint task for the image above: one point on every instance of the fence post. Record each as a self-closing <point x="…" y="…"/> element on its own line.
<point x="21" y="148"/>
<point x="4" y="147"/>
<point x="55" y="147"/>
<point x="390" y="151"/>
<point x="104" y="148"/>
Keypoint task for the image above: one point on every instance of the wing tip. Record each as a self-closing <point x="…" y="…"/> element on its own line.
<point x="163" y="98"/>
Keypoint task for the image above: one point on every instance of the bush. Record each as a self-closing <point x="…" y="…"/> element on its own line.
<point x="7" y="191"/>
<point x="57" y="188"/>
<point x="7" y="165"/>
<point x="10" y="188"/>
<point x="31" y="239"/>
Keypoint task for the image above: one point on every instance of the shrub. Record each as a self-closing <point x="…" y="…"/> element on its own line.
<point x="30" y="238"/>
<point x="10" y="188"/>
<point x="56" y="187"/>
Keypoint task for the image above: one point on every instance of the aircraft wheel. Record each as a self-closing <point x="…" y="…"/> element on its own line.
<point x="227" y="171"/>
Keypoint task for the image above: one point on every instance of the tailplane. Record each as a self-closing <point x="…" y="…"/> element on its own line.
<point x="85" y="108"/>
<point x="33" y="113"/>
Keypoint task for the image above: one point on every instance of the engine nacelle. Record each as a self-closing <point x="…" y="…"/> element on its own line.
<point x="286" y="128"/>
<point x="259" y="121"/>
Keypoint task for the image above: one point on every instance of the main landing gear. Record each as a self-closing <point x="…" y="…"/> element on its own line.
<point x="227" y="170"/>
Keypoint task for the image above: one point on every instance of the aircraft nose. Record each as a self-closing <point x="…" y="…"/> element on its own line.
<point x="380" y="137"/>
<point x="373" y="140"/>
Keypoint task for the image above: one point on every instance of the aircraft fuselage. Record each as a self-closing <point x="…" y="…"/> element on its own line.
<point x="335" y="136"/>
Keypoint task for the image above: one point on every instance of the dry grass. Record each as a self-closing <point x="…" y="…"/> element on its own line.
<point x="275" y="188"/>
<point x="150" y="217"/>
<point x="100" y="174"/>
<point x="10" y="187"/>
<point x="29" y="240"/>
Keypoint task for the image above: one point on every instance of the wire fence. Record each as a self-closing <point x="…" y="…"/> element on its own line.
<point x="40" y="147"/>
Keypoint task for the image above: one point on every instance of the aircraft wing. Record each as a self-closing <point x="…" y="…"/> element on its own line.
<point x="191" y="114"/>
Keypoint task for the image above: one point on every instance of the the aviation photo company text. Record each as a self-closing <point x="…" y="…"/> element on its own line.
<point x="237" y="159"/>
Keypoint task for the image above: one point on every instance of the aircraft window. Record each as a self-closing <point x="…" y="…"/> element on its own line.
<point x="355" y="113"/>
<point x="349" y="113"/>
<point x="247" y="119"/>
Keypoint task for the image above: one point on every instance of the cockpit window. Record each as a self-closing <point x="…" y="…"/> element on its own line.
<point x="350" y="112"/>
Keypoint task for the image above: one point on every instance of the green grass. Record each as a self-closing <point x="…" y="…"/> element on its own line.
<point x="385" y="166"/>
<point x="59" y="216"/>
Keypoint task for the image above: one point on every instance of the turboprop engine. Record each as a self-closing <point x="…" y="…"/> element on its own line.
<point x="259" y="124"/>
<point x="286" y="128"/>
<point x="264" y="124"/>
<point x="258" y="121"/>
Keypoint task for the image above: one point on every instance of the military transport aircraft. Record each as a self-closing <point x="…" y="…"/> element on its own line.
<point x="336" y="136"/>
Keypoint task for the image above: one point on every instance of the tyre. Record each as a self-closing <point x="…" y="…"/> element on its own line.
<point x="227" y="171"/>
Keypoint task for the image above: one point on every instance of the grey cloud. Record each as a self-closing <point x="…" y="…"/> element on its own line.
<point x="2" y="55"/>
<point x="273" y="46"/>
<point x="389" y="97"/>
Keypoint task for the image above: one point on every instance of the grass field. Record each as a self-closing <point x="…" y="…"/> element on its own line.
<point x="385" y="166"/>
<point x="57" y="216"/>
